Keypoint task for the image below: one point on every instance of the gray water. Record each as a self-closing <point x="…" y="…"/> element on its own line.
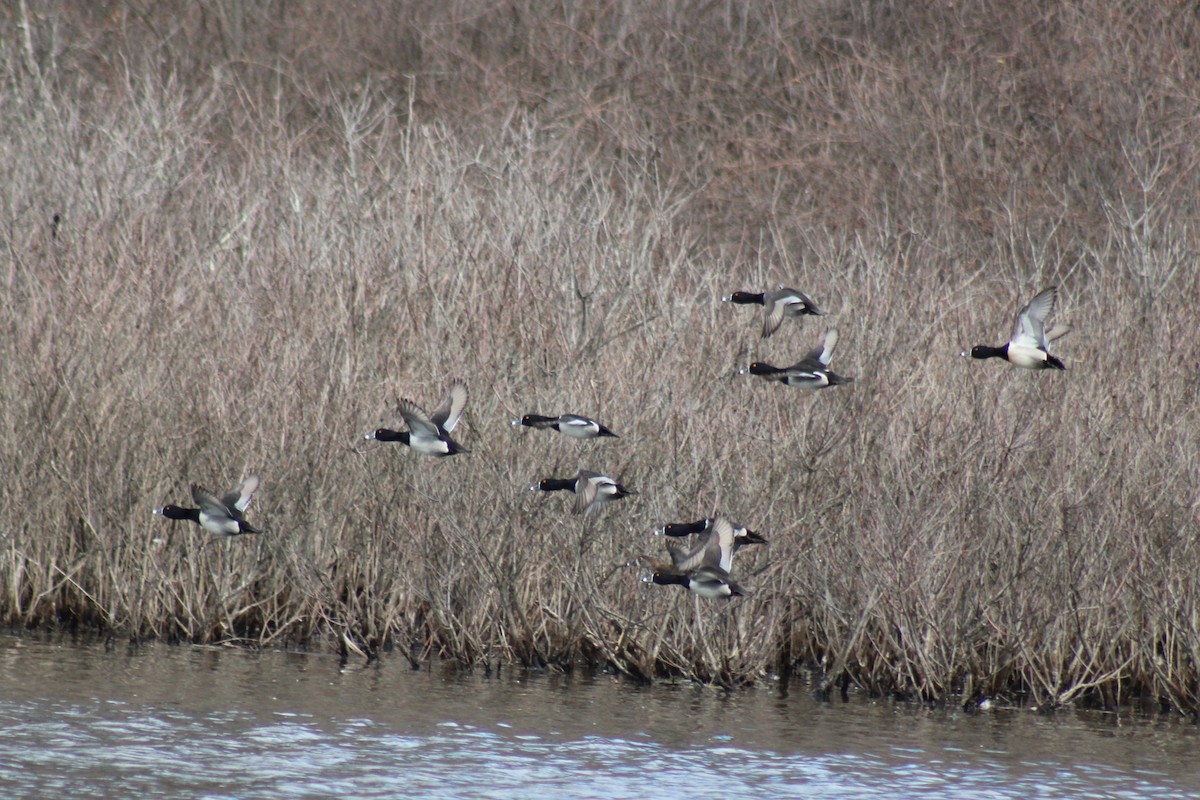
<point x="166" y="721"/>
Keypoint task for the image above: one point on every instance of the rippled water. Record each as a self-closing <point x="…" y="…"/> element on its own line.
<point x="200" y="722"/>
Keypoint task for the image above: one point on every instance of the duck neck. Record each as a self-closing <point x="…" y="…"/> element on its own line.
<point x="987" y="351"/>
<point x="176" y="512"/>
<point x="665" y="578"/>
<point x="758" y="368"/>
<point x="385" y="435"/>
<point x="557" y="484"/>
<point x="688" y="528"/>
<point x="747" y="298"/>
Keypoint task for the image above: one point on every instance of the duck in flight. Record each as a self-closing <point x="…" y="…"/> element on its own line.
<point x="572" y="425"/>
<point x="1028" y="346"/>
<point x="783" y="302"/>
<point x="224" y="516"/>
<point x="708" y="582"/>
<point x="719" y="540"/>
<point x="704" y="568"/>
<point x="810" y="372"/>
<point x="429" y="433"/>
<point x="592" y="489"/>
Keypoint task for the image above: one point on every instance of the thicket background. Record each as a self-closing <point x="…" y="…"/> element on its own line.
<point x="234" y="233"/>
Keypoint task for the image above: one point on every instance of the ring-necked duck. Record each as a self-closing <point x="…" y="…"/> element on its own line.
<point x="572" y="425"/>
<point x="776" y="305"/>
<point x="591" y="489"/>
<point x="810" y="372"/>
<point x="718" y="541"/>
<point x="709" y="582"/>
<point x="1027" y="347"/>
<point x="429" y="433"/>
<point x="224" y="516"/>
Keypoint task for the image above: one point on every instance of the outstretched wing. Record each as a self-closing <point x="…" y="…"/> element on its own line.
<point x="208" y="502"/>
<point x="451" y="408"/>
<point x="417" y="420"/>
<point x="810" y="305"/>
<point x="772" y="314"/>
<point x="587" y="485"/>
<point x="1029" y="329"/>
<point x="817" y="359"/>
<point x="719" y="551"/>
<point x="681" y="554"/>
<point x="240" y="497"/>
<point x="712" y="549"/>
<point x="824" y="353"/>
<point x="1056" y="331"/>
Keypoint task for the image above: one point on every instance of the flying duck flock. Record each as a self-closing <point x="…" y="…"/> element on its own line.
<point x="703" y="565"/>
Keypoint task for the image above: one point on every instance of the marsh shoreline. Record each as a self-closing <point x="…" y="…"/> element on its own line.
<point x="235" y="236"/>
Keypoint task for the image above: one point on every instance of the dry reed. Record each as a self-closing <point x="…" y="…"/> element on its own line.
<point x="235" y="233"/>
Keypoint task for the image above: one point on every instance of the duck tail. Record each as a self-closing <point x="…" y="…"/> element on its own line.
<point x="737" y="591"/>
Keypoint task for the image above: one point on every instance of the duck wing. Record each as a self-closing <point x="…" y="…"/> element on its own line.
<point x="823" y="354"/>
<point x="209" y="503"/>
<point x="719" y="551"/>
<point x="451" y="408"/>
<point x="1029" y="330"/>
<point x="575" y="422"/>
<point x="587" y="487"/>
<point x="1056" y="331"/>
<point x="712" y="549"/>
<point x="802" y="299"/>
<point x="682" y="555"/>
<point x="240" y="497"/>
<point x="417" y="420"/>
<point x="774" y="304"/>
<point x="709" y="581"/>
<point x="815" y="360"/>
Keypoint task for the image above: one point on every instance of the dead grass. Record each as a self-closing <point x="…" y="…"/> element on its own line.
<point x="275" y="220"/>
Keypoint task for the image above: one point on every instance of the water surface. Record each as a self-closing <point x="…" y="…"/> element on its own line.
<point x="217" y="723"/>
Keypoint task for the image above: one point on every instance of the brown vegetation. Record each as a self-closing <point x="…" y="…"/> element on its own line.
<point x="274" y="219"/>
